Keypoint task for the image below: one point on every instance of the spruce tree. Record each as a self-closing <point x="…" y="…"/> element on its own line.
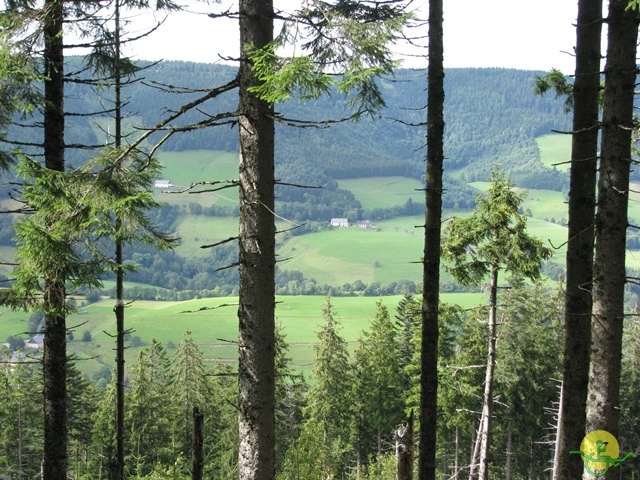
<point x="378" y="387"/>
<point x="190" y="387"/>
<point x="492" y="240"/>
<point x="329" y="401"/>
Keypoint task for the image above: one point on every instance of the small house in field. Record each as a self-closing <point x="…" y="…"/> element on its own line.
<point x="163" y="184"/>
<point x="37" y="341"/>
<point x="339" y="222"/>
<point x="365" y="224"/>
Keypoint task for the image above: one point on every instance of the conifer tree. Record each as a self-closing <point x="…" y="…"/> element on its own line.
<point x="432" y="248"/>
<point x="526" y="373"/>
<point x="290" y="390"/>
<point x="582" y="198"/>
<point x="21" y="418"/>
<point x="408" y="316"/>
<point x="493" y="239"/>
<point x="190" y="388"/>
<point x="603" y="404"/>
<point x="351" y="38"/>
<point x="378" y="385"/>
<point x="150" y="412"/>
<point x="329" y="400"/>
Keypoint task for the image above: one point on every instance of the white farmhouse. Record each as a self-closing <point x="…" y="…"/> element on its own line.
<point x="339" y="222"/>
<point x="163" y="184"/>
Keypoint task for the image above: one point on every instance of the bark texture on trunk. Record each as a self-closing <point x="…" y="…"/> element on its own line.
<point x="603" y="405"/>
<point x="55" y="333"/>
<point x="484" y="431"/>
<point x="578" y="300"/>
<point x="431" y="270"/>
<point x="197" y="445"/>
<point x="256" y="458"/>
<point x="120" y="361"/>
<point x="404" y="450"/>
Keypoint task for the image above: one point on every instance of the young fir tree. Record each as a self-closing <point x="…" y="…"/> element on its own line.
<point x="82" y="401"/>
<point x="290" y="390"/>
<point x="190" y="388"/>
<point x="526" y="374"/>
<point x="378" y="386"/>
<point x="493" y="239"/>
<point x="408" y="317"/>
<point x="150" y="413"/>
<point x="329" y="401"/>
<point x="21" y="418"/>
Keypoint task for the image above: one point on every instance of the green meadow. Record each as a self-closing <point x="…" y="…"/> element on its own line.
<point x="555" y="150"/>
<point x="195" y="231"/>
<point x="213" y="325"/>
<point x="383" y="192"/>
<point x="187" y="168"/>
<point x="389" y="253"/>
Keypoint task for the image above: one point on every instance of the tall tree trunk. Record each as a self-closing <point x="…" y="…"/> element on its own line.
<point x="578" y="299"/>
<point x="603" y="407"/>
<point x="431" y="271"/>
<point x="119" y="311"/>
<point x="197" y="446"/>
<point x="487" y="399"/>
<point x="533" y="470"/>
<point x="119" y="308"/>
<point x="507" y="473"/>
<point x="404" y="450"/>
<point x="55" y="347"/>
<point x="256" y="457"/>
<point x="456" y="464"/>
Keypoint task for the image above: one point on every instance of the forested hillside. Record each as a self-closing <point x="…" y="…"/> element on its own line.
<point x="492" y="118"/>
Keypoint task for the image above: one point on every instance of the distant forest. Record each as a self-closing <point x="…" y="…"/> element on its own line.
<point x="492" y="117"/>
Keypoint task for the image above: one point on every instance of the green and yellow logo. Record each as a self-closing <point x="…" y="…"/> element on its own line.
<point x="600" y="451"/>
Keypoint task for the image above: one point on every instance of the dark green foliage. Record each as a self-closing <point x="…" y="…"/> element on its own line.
<point x="527" y="368"/>
<point x="329" y="400"/>
<point x="630" y="386"/>
<point x="378" y="388"/>
<point x="493" y="237"/>
<point x="17" y="74"/>
<point x="55" y="241"/>
<point x="16" y="343"/>
<point x="291" y="388"/>
<point x="21" y="416"/>
<point x="408" y="319"/>
<point x="555" y="80"/>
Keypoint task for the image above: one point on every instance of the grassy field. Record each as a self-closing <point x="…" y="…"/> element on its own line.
<point x="197" y="230"/>
<point x="214" y="330"/>
<point x="555" y="150"/>
<point x="186" y="168"/>
<point x="336" y="256"/>
<point x="384" y="192"/>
